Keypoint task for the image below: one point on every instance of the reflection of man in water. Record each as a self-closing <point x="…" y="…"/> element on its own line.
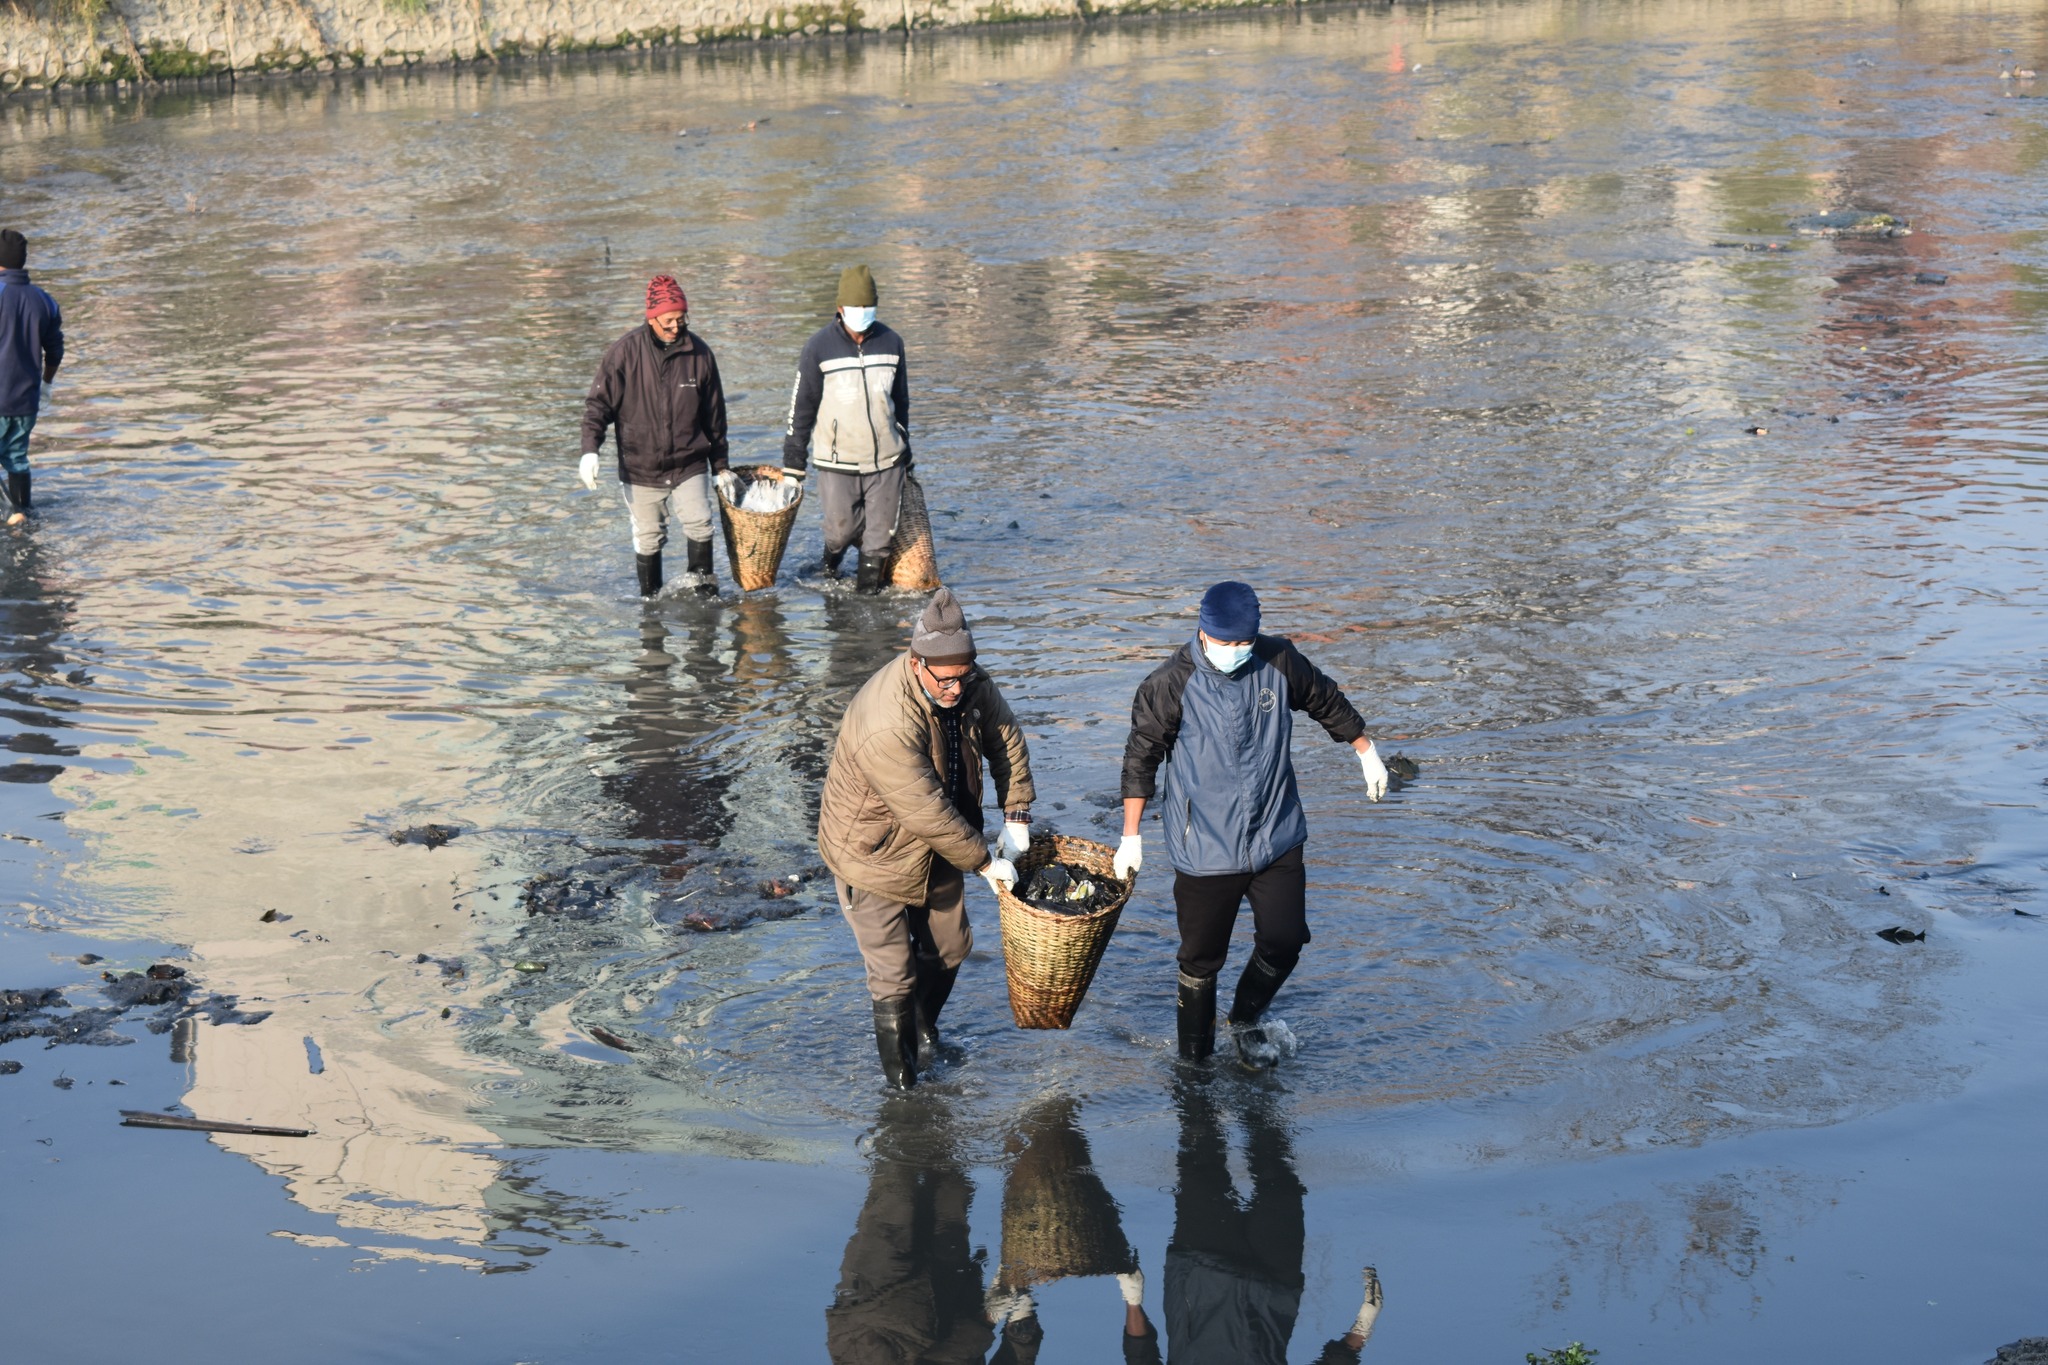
<point x="909" y="1287"/>
<point x="1233" y="1268"/>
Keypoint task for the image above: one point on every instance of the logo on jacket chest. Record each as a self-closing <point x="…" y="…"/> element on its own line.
<point x="1268" y="699"/>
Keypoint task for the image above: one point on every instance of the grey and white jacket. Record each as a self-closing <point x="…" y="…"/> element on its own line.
<point x="850" y="408"/>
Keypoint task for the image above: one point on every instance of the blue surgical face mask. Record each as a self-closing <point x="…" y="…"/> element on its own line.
<point x="858" y="319"/>
<point x="1227" y="658"/>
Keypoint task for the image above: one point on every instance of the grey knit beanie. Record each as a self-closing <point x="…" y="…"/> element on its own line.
<point x="941" y="636"/>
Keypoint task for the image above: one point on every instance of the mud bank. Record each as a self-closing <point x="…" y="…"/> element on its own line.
<point x="78" y="44"/>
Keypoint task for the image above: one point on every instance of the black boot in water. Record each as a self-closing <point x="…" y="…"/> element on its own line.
<point x="828" y="564"/>
<point x="1197" y="1017"/>
<point x="896" y="1040"/>
<point x="869" y="579"/>
<point x="17" y="491"/>
<point x="1256" y="988"/>
<point x="934" y="986"/>
<point x="700" y="565"/>
<point x="649" y="569"/>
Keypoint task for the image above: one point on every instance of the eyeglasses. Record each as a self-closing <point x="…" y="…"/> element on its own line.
<point x="953" y="684"/>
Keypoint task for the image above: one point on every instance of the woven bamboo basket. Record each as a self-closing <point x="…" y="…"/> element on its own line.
<point x="754" y="541"/>
<point x="1050" y="958"/>
<point x="913" y="558"/>
<point x="1059" y="1219"/>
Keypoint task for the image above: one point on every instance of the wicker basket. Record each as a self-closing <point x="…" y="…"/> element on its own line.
<point x="754" y="541"/>
<point x="1059" y="1219"/>
<point x="1050" y="958"/>
<point x="913" y="559"/>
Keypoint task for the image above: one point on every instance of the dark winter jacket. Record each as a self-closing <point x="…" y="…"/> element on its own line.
<point x="668" y="406"/>
<point x="31" y="338"/>
<point x="1230" y="802"/>
<point x="850" y="408"/>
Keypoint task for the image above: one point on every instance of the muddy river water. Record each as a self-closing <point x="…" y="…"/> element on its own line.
<point x="1696" y="561"/>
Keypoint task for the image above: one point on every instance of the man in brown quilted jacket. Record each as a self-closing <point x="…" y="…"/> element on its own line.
<point x="900" y="823"/>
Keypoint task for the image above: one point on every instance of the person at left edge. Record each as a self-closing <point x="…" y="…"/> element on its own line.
<point x="900" y="822"/>
<point x="658" y="387"/>
<point x="31" y="349"/>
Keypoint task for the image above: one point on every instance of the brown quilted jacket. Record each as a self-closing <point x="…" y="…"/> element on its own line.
<point x="884" y="814"/>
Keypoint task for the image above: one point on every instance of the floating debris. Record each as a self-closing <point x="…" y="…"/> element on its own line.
<point x="529" y="967"/>
<point x="273" y="917"/>
<point x="1852" y="223"/>
<point x="1930" y="277"/>
<point x="1758" y="431"/>
<point x="9" y="1067"/>
<point x="142" y="1118"/>
<point x="608" y="1038"/>
<point x="430" y="836"/>
<point x="1897" y="935"/>
<point x="1401" y="770"/>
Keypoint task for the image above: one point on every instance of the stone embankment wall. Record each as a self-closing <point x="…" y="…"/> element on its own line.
<point x="64" y="44"/>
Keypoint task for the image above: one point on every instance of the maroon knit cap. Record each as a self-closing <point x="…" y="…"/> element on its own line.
<point x="664" y="295"/>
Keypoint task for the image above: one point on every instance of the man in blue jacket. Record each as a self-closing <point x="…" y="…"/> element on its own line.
<point x="849" y="414"/>
<point x="31" y="349"/>
<point x="1222" y="710"/>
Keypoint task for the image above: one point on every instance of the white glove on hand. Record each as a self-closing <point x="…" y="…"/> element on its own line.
<point x="796" y="475"/>
<point x="1132" y="1287"/>
<point x="586" y="470"/>
<point x="1000" y="873"/>
<point x="728" y="485"/>
<point x="1002" y="1307"/>
<point x="1016" y="840"/>
<point x="1130" y="856"/>
<point x="1375" y="772"/>
<point x="1370" y="1312"/>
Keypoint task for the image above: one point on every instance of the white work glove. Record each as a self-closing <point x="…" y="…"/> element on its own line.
<point x="586" y="470"/>
<point x="1369" y="1313"/>
<point x="1002" y="1307"/>
<point x="728" y="485"/>
<point x="1016" y="840"/>
<point x="1132" y="1287"/>
<point x="794" y="474"/>
<point x="1000" y="873"/>
<point x="1375" y="771"/>
<point x="1130" y="856"/>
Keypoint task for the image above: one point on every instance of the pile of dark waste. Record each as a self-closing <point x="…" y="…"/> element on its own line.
<point x="1401" y="770"/>
<point x="1067" y="890"/>
<point x="163" y="989"/>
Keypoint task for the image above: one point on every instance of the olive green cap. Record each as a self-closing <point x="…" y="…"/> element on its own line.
<point x="856" y="288"/>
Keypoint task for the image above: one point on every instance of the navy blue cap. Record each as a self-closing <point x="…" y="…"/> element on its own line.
<point x="1230" y="611"/>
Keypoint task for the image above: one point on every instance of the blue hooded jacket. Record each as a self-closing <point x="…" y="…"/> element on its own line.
<point x="1230" y="804"/>
<point x="31" y="335"/>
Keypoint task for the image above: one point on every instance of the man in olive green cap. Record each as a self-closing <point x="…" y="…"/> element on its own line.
<point x="850" y="416"/>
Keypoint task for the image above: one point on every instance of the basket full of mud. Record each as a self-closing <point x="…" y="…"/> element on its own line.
<point x="1057" y="920"/>
<point x="757" y="527"/>
<point x="913" y="556"/>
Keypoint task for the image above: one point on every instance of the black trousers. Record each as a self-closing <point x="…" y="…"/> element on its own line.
<point x="1207" y="910"/>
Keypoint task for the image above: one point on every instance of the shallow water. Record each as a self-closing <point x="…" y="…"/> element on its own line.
<point x="1436" y="326"/>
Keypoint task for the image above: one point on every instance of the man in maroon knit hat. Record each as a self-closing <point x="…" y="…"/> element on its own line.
<point x="658" y="385"/>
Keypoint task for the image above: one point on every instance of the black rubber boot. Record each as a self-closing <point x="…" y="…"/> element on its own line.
<point x="1197" y="1017"/>
<point x="17" y="490"/>
<point x="1256" y="988"/>
<point x="699" y="552"/>
<point x="896" y="1040"/>
<point x="649" y="568"/>
<point x="934" y="986"/>
<point x="828" y="564"/>
<point x="870" y="579"/>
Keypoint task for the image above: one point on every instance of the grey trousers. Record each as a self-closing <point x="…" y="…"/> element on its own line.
<point x="892" y="934"/>
<point x="861" y="509"/>
<point x="650" y="509"/>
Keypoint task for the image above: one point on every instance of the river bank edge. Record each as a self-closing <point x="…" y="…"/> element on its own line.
<point x="121" y="47"/>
